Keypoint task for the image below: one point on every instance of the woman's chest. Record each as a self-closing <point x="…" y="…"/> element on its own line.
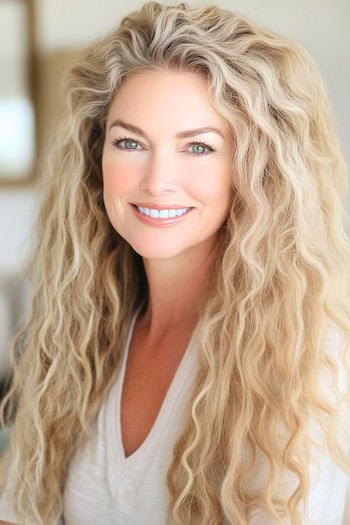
<point x="146" y="383"/>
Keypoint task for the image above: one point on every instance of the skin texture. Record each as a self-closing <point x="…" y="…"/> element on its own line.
<point x="163" y="169"/>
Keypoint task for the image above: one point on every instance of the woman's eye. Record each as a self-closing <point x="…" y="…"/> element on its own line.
<point x="201" y="149"/>
<point x="130" y="144"/>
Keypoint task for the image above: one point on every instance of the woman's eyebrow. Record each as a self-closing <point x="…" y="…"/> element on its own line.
<point x="179" y="135"/>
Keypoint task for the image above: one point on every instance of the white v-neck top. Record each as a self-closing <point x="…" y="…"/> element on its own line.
<point x="103" y="487"/>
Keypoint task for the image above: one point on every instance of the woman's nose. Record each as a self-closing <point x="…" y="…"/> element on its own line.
<point x="160" y="174"/>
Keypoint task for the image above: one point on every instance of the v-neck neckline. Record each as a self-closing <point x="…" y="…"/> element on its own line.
<point x="114" y="410"/>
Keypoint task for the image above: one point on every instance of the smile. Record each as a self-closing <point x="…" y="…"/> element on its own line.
<point x="163" y="218"/>
<point x="162" y="214"/>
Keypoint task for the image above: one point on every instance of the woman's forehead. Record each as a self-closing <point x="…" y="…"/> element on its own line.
<point x="178" y="97"/>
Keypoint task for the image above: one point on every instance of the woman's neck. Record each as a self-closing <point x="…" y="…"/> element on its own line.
<point x="177" y="288"/>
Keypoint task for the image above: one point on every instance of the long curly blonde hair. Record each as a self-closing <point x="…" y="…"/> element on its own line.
<point x="282" y="282"/>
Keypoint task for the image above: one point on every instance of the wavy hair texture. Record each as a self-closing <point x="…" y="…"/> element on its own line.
<point x="283" y="279"/>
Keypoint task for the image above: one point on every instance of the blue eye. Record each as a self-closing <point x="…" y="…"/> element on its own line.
<point x="202" y="147"/>
<point x="131" y="142"/>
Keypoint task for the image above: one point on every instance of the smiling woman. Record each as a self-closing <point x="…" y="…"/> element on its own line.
<point x="162" y="174"/>
<point x="186" y="358"/>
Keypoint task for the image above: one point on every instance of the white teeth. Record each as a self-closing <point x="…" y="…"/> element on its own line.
<point x="162" y="214"/>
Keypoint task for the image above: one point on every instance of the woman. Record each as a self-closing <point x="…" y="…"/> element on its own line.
<point x="190" y="327"/>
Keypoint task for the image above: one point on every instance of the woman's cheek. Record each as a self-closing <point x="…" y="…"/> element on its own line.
<point x="208" y="182"/>
<point x="119" y="178"/>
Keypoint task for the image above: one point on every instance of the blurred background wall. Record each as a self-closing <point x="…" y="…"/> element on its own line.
<point x="62" y="25"/>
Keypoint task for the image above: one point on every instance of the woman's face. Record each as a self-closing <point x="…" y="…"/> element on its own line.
<point x="166" y="164"/>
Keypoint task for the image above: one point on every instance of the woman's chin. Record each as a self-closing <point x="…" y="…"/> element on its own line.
<point x="157" y="252"/>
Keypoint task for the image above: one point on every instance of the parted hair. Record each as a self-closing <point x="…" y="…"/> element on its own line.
<point x="281" y="283"/>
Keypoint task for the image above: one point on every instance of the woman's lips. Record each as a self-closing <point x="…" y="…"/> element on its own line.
<point x="160" y="223"/>
<point x="153" y="206"/>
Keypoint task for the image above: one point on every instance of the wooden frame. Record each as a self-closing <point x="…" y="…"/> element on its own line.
<point x="27" y="177"/>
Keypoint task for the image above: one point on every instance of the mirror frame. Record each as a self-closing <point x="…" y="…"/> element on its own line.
<point x="9" y="182"/>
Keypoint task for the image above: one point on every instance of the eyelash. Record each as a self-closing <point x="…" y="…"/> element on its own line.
<point x="117" y="142"/>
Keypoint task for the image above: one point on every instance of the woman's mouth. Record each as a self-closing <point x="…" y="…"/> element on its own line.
<point x="160" y="217"/>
